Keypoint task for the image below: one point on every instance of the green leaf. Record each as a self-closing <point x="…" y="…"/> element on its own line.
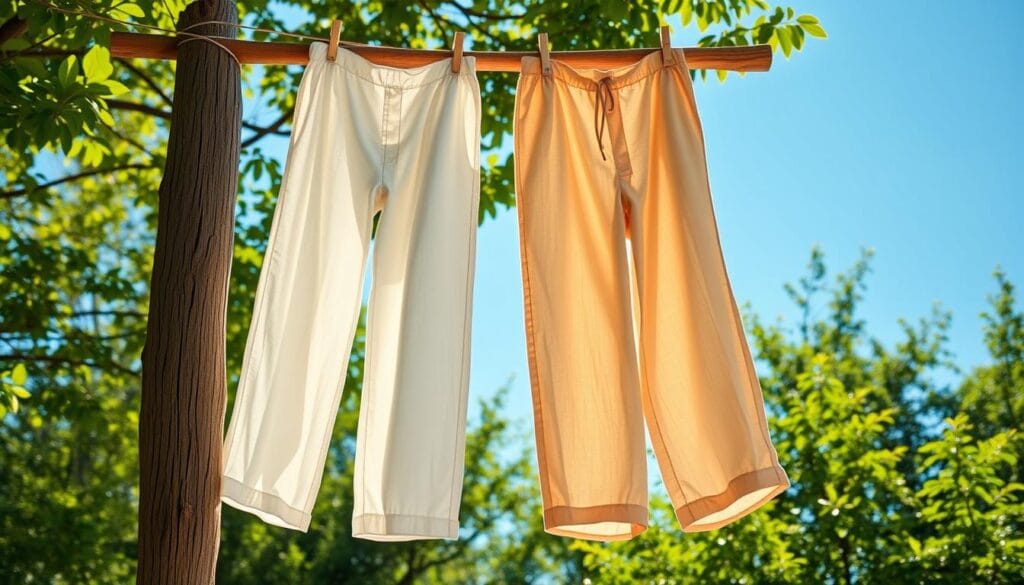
<point x="131" y="10"/>
<point x="830" y="491"/>
<point x="814" y="30"/>
<point x="915" y="545"/>
<point x="797" y="36"/>
<point x="782" y="34"/>
<point x="19" y="375"/>
<point x="807" y="19"/>
<point x="34" y="66"/>
<point x="616" y="11"/>
<point x="96" y="64"/>
<point x="20" y="392"/>
<point x="115" y="87"/>
<point x="105" y="117"/>
<point x="66" y="139"/>
<point x="68" y="71"/>
<point x="101" y="36"/>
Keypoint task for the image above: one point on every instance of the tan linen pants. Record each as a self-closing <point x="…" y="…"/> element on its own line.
<point x="629" y="310"/>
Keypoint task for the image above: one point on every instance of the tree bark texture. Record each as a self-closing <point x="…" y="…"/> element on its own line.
<point x="183" y="364"/>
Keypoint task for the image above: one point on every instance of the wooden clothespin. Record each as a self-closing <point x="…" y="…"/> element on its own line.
<point x="666" y="46"/>
<point x="457" y="43"/>
<point x="545" y="54"/>
<point x="332" y="47"/>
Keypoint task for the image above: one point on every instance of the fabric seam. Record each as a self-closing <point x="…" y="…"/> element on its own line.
<point x="742" y="485"/>
<point x="467" y="315"/>
<point x="762" y="424"/>
<point x="383" y="137"/>
<point x="251" y="355"/>
<point x="528" y="318"/>
<point x="400" y="515"/>
<point x="339" y="388"/>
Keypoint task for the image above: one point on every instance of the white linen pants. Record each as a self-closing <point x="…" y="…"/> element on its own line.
<point x="366" y="139"/>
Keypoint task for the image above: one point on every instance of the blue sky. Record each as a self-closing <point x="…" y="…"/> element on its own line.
<point x="901" y="133"/>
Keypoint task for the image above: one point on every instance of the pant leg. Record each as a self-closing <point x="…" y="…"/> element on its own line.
<point x="411" y="438"/>
<point x="583" y="368"/>
<point x="702" y="398"/>
<point x="307" y="301"/>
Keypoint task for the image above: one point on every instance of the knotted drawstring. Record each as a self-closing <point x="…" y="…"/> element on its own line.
<point x="604" y="103"/>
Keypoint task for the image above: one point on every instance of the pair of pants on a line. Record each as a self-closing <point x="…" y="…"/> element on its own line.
<point x="629" y="310"/>
<point x="366" y="139"/>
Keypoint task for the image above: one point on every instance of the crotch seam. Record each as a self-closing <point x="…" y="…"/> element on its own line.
<point x="379" y="198"/>
<point x="627" y="213"/>
<point x="383" y="138"/>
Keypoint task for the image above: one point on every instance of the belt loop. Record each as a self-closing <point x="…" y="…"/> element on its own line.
<point x="667" y="56"/>
<point x="545" y="54"/>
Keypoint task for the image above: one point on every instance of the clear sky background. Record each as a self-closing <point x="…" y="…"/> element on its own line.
<point x="901" y="132"/>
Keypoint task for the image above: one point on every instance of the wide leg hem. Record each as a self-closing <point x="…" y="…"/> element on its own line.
<point x="268" y="507"/>
<point x="400" y="527"/>
<point x="745" y="493"/>
<point x="573" y="522"/>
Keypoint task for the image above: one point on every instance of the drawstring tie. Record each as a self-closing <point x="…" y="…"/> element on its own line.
<point x="604" y="103"/>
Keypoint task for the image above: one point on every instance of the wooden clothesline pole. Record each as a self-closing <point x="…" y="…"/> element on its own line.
<point x="146" y="46"/>
<point x="184" y="384"/>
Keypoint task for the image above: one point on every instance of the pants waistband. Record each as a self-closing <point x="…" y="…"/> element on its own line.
<point x="385" y="76"/>
<point x="589" y="78"/>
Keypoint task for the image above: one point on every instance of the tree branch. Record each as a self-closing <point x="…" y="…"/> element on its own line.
<point x="130" y="140"/>
<point x="75" y="177"/>
<point x="73" y="334"/>
<point x="12" y="28"/>
<point x="470" y="12"/>
<point x="137" y="107"/>
<point x="53" y="359"/>
<point x="40" y="53"/>
<point x="160" y="113"/>
<point x="473" y="22"/>
<point x="274" y="128"/>
<point x="410" y="572"/>
<point x="102" y="312"/>
<point x="439" y="22"/>
<point x="127" y="64"/>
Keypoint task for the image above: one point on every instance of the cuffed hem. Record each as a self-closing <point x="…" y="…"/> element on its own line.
<point x="625" y="520"/>
<point x="268" y="507"/>
<point x="399" y="527"/>
<point x="744" y="494"/>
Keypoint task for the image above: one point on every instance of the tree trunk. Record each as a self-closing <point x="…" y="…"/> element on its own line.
<point x="183" y="379"/>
